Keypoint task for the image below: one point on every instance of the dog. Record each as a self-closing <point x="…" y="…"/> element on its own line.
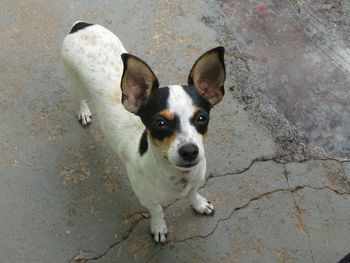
<point x="158" y="132"/>
<point x="345" y="259"/>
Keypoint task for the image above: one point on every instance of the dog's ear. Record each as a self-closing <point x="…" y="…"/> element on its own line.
<point x="138" y="82"/>
<point x="208" y="75"/>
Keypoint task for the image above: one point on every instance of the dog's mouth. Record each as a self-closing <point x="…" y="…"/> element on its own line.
<point x="187" y="165"/>
<point x="183" y="166"/>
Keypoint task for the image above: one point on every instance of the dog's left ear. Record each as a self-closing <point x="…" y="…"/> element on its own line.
<point x="208" y="75"/>
<point x="137" y="83"/>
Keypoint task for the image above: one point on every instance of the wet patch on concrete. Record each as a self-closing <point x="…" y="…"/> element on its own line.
<point x="300" y="63"/>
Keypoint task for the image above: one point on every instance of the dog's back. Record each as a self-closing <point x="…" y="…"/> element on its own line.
<point x="95" y="51"/>
<point x="92" y="60"/>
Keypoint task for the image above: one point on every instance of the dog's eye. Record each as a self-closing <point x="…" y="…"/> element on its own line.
<point x="159" y="123"/>
<point x="202" y="118"/>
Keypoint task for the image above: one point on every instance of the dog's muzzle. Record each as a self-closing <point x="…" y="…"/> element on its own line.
<point x="188" y="153"/>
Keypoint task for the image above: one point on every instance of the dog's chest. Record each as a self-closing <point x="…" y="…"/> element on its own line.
<point x="172" y="182"/>
<point x="164" y="185"/>
<point x="179" y="182"/>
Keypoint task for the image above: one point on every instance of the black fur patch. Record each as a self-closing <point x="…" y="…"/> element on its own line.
<point x="201" y="126"/>
<point x="203" y="104"/>
<point x="160" y="133"/>
<point x="157" y="102"/>
<point x="79" y="26"/>
<point x="143" y="146"/>
<point x="346" y="259"/>
<point x="150" y="115"/>
<point x="197" y="99"/>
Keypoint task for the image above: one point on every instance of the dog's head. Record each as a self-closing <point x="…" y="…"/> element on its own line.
<point x="176" y="117"/>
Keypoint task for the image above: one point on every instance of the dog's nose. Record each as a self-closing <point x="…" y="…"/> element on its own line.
<point x="188" y="152"/>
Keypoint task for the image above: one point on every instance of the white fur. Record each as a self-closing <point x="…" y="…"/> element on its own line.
<point x="94" y="68"/>
<point x="180" y="103"/>
<point x="84" y="114"/>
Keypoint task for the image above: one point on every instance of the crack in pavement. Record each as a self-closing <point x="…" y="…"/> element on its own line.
<point x="300" y="187"/>
<point x="236" y="209"/>
<point x="132" y="227"/>
<point x="278" y="159"/>
<point x="293" y="190"/>
<point x="135" y="219"/>
<point x="229" y="216"/>
<point x="299" y="217"/>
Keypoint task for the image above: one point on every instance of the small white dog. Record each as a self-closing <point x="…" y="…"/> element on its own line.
<point x="157" y="132"/>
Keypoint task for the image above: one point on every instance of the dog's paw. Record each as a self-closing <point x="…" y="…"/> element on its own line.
<point x="159" y="232"/>
<point x="84" y="114"/>
<point x="202" y="206"/>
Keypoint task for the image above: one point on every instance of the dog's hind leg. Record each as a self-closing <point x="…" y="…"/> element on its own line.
<point x="80" y="96"/>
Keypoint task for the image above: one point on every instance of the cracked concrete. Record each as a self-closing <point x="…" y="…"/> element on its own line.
<point x="273" y="179"/>
<point x="65" y="195"/>
<point x="293" y="172"/>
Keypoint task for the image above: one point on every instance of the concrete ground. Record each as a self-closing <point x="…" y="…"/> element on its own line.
<point x="64" y="195"/>
<point x="300" y="53"/>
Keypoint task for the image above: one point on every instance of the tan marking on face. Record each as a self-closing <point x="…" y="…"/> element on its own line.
<point x="195" y="111"/>
<point x="205" y="137"/>
<point x="165" y="143"/>
<point x="167" y="114"/>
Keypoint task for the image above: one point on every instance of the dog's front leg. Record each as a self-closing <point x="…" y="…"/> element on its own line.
<point x="199" y="203"/>
<point x="158" y="225"/>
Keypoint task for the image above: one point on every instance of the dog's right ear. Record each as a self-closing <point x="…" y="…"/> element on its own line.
<point x="138" y="82"/>
<point x="208" y="75"/>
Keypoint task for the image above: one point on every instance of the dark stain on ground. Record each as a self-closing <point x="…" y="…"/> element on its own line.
<point x="300" y="65"/>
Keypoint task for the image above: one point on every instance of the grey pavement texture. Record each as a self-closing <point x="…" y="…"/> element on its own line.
<point x="300" y="53"/>
<point x="65" y="196"/>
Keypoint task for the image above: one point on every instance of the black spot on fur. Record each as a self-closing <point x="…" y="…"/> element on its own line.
<point x="197" y="99"/>
<point x="346" y="259"/>
<point x="203" y="104"/>
<point x="79" y="26"/>
<point x="149" y="114"/>
<point x="143" y="146"/>
<point x="201" y="126"/>
<point x="157" y="102"/>
<point x="160" y="133"/>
